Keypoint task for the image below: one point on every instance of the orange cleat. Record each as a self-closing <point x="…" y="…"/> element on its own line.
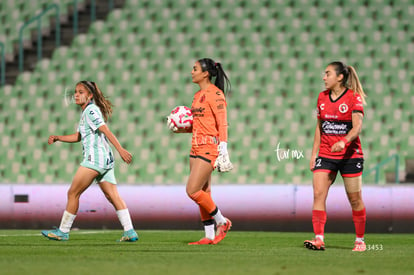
<point x="315" y="244"/>
<point x="360" y="247"/>
<point x="222" y="230"/>
<point x="202" y="241"/>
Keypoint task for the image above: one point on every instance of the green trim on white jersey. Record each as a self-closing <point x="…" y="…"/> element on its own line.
<point x="96" y="148"/>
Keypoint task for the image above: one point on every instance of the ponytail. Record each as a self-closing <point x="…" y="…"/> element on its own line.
<point x="99" y="99"/>
<point x="350" y="79"/>
<point x="355" y="85"/>
<point x="216" y="70"/>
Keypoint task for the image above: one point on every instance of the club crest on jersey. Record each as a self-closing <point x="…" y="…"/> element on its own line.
<point x="343" y="108"/>
<point x="322" y="106"/>
<point x="202" y="98"/>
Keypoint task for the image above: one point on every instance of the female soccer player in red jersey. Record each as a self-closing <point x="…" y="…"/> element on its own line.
<point x="209" y="145"/>
<point x="340" y="113"/>
<point x="98" y="162"/>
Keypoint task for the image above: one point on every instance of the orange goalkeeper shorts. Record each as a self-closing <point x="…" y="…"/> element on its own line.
<point x="207" y="152"/>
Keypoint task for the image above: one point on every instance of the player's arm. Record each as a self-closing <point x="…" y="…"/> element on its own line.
<point x="357" y="118"/>
<point x="67" y="138"/>
<point x="219" y="107"/>
<point x="316" y="144"/>
<point x="125" y="155"/>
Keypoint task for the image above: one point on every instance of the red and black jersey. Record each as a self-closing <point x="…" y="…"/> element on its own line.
<point x="336" y="122"/>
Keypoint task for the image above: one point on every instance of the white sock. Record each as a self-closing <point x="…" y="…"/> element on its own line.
<point x="219" y="218"/>
<point x="319" y="237"/>
<point x="66" y="222"/>
<point x="209" y="230"/>
<point x="359" y="239"/>
<point x="125" y="219"/>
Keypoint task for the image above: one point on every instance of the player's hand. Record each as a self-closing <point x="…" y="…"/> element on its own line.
<point x="171" y="125"/>
<point x="338" y="147"/>
<point x="125" y="155"/>
<point x="175" y="129"/>
<point x="312" y="163"/>
<point x="52" y="139"/>
<point x="223" y="163"/>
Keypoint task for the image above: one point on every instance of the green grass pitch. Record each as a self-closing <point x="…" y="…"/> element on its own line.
<point x="167" y="252"/>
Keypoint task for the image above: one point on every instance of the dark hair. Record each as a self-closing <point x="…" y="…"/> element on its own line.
<point x="216" y="70"/>
<point x="100" y="100"/>
<point x="350" y="79"/>
<point x="341" y="68"/>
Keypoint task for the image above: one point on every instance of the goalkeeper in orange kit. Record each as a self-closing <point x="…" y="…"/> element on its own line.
<point x="209" y="145"/>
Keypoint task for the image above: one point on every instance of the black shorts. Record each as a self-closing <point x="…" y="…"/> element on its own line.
<point x="347" y="167"/>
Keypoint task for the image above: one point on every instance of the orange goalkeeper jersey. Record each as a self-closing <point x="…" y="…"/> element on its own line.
<point x="209" y="110"/>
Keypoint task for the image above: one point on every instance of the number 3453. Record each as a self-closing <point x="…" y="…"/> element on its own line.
<point x="376" y="247"/>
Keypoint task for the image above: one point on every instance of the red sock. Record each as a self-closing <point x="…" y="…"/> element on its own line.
<point x="318" y="221"/>
<point x="204" y="200"/>
<point x="359" y="218"/>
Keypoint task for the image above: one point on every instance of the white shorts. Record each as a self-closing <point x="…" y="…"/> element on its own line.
<point x="104" y="174"/>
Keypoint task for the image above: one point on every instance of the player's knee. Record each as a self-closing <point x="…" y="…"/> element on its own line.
<point x="190" y="191"/>
<point x="193" y="194"/>
<point x="355" y="203"/>
<point x="108" y="197"/>
<point x="319" y="195"/>
<point x="190" y="194"/>
<point x="72" y="193"/>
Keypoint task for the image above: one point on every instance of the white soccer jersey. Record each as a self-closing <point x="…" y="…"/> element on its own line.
<point x="95" y="145"/>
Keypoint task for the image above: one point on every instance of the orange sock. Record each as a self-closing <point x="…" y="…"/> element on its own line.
<point x="204" y="214"/>
<point x="204" y="200"/>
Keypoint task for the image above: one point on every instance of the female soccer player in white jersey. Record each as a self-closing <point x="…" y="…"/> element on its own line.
<point x="98" y="161"/>
<point x="340" y="113"/>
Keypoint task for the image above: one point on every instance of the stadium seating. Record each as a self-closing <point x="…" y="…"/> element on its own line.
<point x="13" y="14"/>
<point x="274" y="53"/>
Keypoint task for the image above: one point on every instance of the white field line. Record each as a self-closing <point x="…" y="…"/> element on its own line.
<point x="39" y="234"/>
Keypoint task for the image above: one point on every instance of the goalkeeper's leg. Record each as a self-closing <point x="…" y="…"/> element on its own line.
<point x="200" y="174"/>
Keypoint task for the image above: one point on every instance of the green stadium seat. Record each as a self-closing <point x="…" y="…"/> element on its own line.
<point x="141" y="56"/>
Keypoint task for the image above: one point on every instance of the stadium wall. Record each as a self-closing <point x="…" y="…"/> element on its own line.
<point x="250" y="207"/>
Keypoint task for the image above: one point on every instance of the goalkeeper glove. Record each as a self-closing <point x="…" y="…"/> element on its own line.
<point x="171" y="125"/>
<point x="223" y="162"/>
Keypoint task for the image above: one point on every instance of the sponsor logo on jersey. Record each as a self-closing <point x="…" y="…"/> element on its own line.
<point x="343" y="108"/>
<point x="198" y="112"/>
<point x="331" y="116"/>
<point x="335" y="128"/>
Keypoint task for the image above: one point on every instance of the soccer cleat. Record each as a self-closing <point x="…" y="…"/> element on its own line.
<point x="359" y="247"/>
<point x="315" y="244"/>
<point x="222" y="230"/>
<point x="129" y="236"/>
<point x="55" y="235"/>
<point x="202" y="241"/>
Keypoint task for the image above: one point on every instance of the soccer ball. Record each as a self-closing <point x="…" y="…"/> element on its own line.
<point x="182" y="117"/>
